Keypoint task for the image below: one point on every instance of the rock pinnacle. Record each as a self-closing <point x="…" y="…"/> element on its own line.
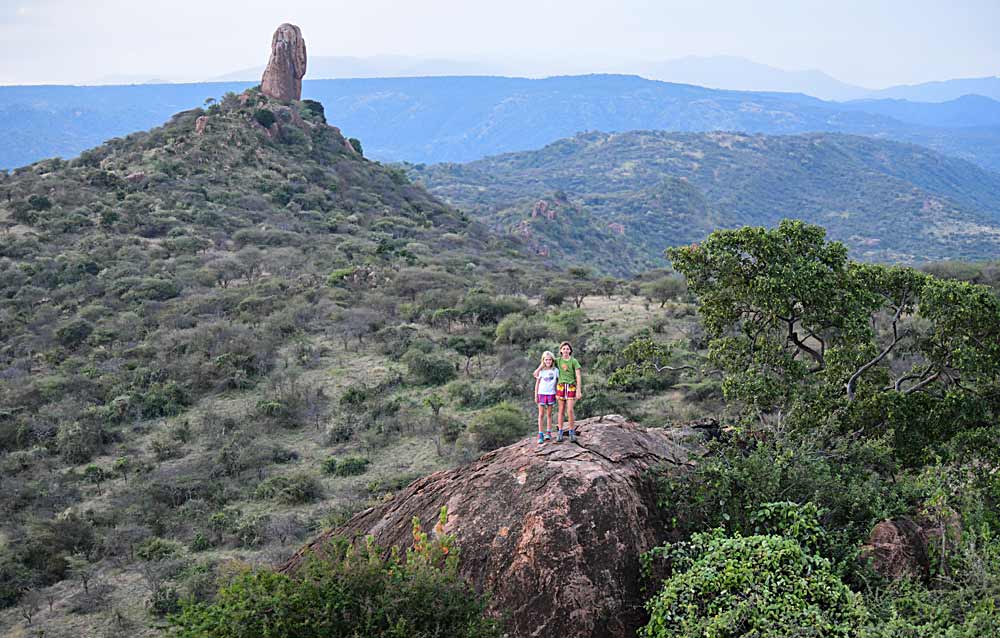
<point x="282" y="78"/>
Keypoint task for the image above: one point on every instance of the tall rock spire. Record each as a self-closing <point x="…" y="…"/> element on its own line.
<point x="283" y="76"/>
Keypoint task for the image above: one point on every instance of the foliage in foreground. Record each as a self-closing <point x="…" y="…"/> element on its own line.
<point x="351" y="591"/>
<point x="761" y="585"/>
<point x="867" y="393"/>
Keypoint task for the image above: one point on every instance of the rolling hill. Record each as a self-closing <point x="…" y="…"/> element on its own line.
<point x="887" y="201"/>
<point x="439" y="119"/>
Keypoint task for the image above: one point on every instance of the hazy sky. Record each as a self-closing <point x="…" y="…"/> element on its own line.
<point x="873" y="43"/>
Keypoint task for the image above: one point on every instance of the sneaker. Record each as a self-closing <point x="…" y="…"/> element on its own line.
<point x="548" y="435"/>
<point x="559" y="437"/>
<point x="572" y="436"/>
<point x="541" y="438"/>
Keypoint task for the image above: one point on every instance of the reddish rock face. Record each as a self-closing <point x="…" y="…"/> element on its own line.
<point x="283" y="76"/>
<point x="898" y="549"/>
<point x="542" y="209"/>
<point x="902" y="547"/>
<point x="552" y="531"/>
<point x="200" y="124"/>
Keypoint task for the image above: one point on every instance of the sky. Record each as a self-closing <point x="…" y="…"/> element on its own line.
<point x="871" y="43"/>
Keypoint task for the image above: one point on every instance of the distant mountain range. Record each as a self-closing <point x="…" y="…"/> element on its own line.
<point x="718" y="72"/>
<point x="616" y="201"/>
<point x="465" y="118"/>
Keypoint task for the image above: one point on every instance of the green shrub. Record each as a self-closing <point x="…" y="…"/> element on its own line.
<point x="519" y="330"/>
<point x="291" y="490"/>
<point x="356" y="145"/>
<point x="264" y="117"/>
<point x="767" y="586"/>
<point x="498" y="426"/>
<point x="428" y="369"/>
<point x="347" y="466"/>
<point x="155" y="549"/>
<point x="74" y="333"/>
<point x="740" y="475"/>
<point x="362" y="592"/>
<point x="481" y="395"/>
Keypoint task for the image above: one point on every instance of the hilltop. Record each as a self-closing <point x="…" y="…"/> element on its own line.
<point x="887" y="201"/>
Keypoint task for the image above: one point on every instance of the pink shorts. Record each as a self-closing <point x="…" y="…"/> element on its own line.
<point x="546" y="399"/>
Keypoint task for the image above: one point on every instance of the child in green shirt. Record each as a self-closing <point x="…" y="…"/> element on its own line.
<point x="568" y="389"/>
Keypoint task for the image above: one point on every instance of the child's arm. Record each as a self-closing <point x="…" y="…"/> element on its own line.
<point x="537" y="370"/>
<point x="537" y="382"/>
<point x="579" y="384"/>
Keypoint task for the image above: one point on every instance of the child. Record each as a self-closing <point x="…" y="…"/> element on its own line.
<point x="568" y="389"/>
<point x="545" y="393"/>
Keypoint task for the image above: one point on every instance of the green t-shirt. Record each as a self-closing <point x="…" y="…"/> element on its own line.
<point x="567" y="369"/>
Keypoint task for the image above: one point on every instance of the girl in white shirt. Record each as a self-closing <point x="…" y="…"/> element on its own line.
<point x="545" y="393"/>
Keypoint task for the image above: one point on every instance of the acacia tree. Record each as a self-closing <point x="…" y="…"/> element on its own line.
<point x="799" y="329"/>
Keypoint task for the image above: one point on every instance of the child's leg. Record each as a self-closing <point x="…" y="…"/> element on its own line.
<point x="572" y="420"/>
<point x="562" y="408"/>
<point x="548" y="417"/>
<point x="541" y="410"/>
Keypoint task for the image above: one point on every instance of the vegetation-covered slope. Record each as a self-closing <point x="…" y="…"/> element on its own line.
<point x="209" y="347"/>
<point x="887" y="201"/>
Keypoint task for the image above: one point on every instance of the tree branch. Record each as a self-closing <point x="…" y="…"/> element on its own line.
<point x="882" y="355"/>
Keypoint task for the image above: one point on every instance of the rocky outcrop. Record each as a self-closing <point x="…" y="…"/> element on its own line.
<point x="200" y="124"/>
<point x="552" y="531"/>
<point x="902" y="547"/>
<point x="285" y="69"/>
<point x="543" y="209"/>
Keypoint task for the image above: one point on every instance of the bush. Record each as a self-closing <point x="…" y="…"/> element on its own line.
<point x="751" y="586"/>
<point x="362" y="592"/>
<point x="554" y="296"/>
<point x="264" y="117"/>
<point x="481" y="395"/>
<point x="348" y="466"/>
<point x="519" y="330"/>
<point x="428" y="369"/>
<point x="291" y="490"/>
<point x="740" y="475"/>
<point x="156" y="549"/>
<point x="498" y="426"/>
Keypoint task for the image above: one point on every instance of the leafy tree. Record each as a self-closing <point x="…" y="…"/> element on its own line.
<point x="644" y="358"/>
<point x="664" y="289"/>
<point x="798" y="328"/>
<point x="469" y="347"/>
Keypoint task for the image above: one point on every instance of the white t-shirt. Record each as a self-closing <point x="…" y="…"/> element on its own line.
<point x="547" y="378"/>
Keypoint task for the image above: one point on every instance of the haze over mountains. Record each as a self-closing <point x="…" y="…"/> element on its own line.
<point x="466" y="118"/>
<point x="715" y="71"/>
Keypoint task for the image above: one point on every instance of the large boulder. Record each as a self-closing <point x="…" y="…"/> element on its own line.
<point x="904" y="546"/>
<point x="285" y="69"/>
<point x="552" y="531"/>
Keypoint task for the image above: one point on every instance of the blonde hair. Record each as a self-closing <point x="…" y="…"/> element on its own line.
<point x="550" y="356"/>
